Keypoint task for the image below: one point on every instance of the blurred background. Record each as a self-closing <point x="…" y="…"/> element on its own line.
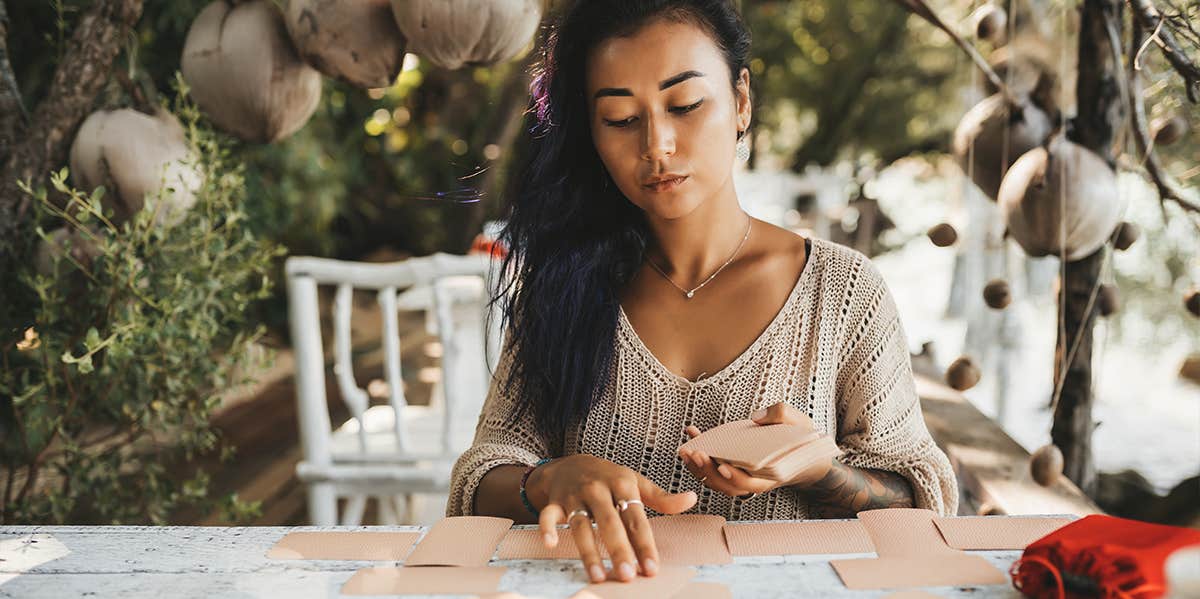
<point x="150" y="362"/>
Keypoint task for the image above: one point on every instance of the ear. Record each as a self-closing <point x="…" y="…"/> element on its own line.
<point x="743" y="100"/>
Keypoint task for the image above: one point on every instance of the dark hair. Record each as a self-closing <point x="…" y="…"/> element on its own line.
<point x="573" y="239"/>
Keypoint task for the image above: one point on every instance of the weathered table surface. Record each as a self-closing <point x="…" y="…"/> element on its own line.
<point x="176" y="562"/>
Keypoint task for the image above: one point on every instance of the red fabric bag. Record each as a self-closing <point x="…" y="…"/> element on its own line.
<point x="1100" y="557"/>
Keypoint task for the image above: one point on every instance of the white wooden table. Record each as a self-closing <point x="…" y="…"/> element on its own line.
<point x="211" y="562"/>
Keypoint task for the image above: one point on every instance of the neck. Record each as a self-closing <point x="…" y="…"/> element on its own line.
<point x="690" y="248"/>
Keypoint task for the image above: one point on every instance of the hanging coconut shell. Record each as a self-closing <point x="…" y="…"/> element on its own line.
<point x="1046" y="465"/>
<point x="244" y="73"/>
<point x="962" y="374"/>
<point x="1191" y="301"/>
<point x="1168" y="130"/>
<point x="942" y="235"/>
<point x="61" y="243"/>
<point x="355" y="41"/>
<point x="991" y="23"/>
<point x="135" y="155"/>
<point x="1126" y="234"/>
<point x="454" y="33"/>
<point x="1108" y="300"/>
<point x="983" y="128"/>
<point x="1023" y="63"/>
<point x="1031" y="204"/>
<point x="997" y="295"/>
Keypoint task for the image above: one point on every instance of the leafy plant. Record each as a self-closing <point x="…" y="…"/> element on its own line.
<point x="134" y="330"/>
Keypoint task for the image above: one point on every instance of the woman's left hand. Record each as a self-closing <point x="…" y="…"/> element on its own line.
<point x="732" y="480"/>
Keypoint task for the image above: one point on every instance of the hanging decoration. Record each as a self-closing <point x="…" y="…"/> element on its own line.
<point x="355" y="41"/>
<point x="135" y="155"/>
<point x="1060" y="200"/>
<point x="244" y="73"/>
<point x="456" y="33"/>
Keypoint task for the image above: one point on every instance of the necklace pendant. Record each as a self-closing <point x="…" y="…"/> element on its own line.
<point x="691" y="293"/>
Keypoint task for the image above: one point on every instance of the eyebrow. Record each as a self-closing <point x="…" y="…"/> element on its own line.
<point x="664" y="84"/>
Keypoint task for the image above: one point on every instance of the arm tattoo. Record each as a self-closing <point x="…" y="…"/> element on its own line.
<point x="847" y="490"/>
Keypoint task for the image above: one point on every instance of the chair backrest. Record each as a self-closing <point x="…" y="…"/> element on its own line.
<point x="305" y="274"/>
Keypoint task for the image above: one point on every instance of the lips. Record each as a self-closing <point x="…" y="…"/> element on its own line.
<point x="665" y="183"/>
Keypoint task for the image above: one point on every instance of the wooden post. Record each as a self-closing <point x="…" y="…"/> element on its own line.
<point x="1100" y="114"/>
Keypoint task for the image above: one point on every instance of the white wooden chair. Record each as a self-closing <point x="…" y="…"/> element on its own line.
<point x="392" y="451"/>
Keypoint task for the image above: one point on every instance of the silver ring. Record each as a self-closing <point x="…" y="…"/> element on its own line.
<point x="625" y="503"/>
<point x="748" y="497"/>
<point x="580" y="512"/>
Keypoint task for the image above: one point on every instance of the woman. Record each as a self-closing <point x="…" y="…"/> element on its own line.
<point x="646" y="306"/>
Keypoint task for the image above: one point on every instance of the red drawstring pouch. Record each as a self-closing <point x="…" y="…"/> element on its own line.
<point x="1100" y="557"/>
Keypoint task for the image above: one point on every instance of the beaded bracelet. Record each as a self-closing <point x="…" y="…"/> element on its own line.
<point x="525" y="477"/>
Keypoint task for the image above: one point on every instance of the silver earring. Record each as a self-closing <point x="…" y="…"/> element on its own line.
<point x="742" y="151"/>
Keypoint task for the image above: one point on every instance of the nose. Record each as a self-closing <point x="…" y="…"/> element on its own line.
<point x="658" y="140"/>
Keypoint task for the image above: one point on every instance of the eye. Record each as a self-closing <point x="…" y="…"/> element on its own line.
<point x="619" y="124"/>
<point x="688" y="108"/>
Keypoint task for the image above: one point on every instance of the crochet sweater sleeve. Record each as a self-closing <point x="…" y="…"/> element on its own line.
<point x="499" y="440"/>
<point x="880" y="425"/>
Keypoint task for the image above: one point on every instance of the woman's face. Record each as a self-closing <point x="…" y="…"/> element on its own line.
<point x="662" y="108"/>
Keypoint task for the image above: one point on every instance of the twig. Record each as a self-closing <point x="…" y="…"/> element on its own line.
<point x="1146" y="15"/>
<point x="1168" y="189"/>
<point x="921" y="9"/>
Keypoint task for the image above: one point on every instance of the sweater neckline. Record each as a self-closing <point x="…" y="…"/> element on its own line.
<point x="814" y="250"/>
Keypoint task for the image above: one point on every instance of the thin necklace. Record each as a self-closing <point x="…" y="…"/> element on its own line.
<point x="691" y="292"/>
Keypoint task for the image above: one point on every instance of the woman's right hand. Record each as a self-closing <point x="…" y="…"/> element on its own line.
<point x="569" y="486"/>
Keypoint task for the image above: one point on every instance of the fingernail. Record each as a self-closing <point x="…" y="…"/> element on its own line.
<point x="597" y="573"/>
<point x="759" y="413"/>
<point x="724" y="471"/>
<point x="650" y="567"/>
<point x="627" y="571"/>
<point x="550" y="539"/>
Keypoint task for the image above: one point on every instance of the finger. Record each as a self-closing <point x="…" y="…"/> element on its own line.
<point x="637" y="526"/>
<point x="612" y="531"/>
<point x="781" y="413"/>
<point x="743" y="482"/>
<point x="548" y="520"/>
<point x="661" y="501"/>
<point x="585" y="541"/>
<point x="692" y="431"/>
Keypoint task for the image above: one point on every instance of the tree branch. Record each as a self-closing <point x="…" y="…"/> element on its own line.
<point x="12" y="110"/>
<point x="1168" y="189"/>
<point x="1147" y="16"/>
<point x="921" y="9"/>
<point x="78" y="79"/>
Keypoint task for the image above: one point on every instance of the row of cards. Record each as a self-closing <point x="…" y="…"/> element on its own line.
<point x="914" y="548"/>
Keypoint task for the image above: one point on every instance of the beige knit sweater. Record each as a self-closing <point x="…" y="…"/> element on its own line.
<point x="836" y="351"/>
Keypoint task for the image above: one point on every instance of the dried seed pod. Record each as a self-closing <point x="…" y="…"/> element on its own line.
<point x="1190" y="369"/>
<point x="1046" y="465"/>
<point x="356" y="41"/>
<point x="1108" y="299"/>
<point x="135" y="155"/>
<point x="991" y="127"/>
<point x="942" y="235"/>
<point x="454" y="33"/>
<point x="1168" y="130"/>
<point x="1088" y="209"/>
<point x="990" y="23"/>
<point x="1192" y="301"/>
<point x="1126" y="234"/>
<point x="245" y="74"/>
<point x="962" y="374"/>
<point x="997" y="295"/>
